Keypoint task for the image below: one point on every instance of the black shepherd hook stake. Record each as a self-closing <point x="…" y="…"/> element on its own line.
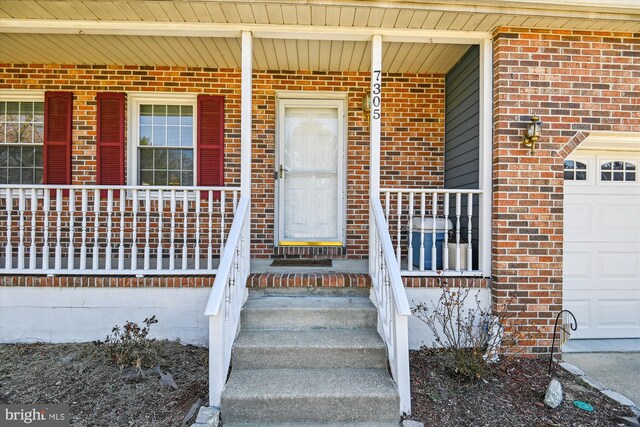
<point x="573" y="325"/>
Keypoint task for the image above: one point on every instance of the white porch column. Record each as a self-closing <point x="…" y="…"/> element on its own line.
<point x="246" y="127"/>
<point x="245" y="114"/>
<point x="486" y="155"/>
<point x="375" y="115"/>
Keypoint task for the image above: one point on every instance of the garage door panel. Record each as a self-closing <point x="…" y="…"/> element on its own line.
<point x="601" y="317"/>
<point x="602" y="251"/>
<point x="618" y="264"/>
<point x="577" y="265"/>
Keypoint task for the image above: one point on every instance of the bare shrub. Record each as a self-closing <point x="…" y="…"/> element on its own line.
<point x="471" y="337"/>
<point x="130" y="346"/>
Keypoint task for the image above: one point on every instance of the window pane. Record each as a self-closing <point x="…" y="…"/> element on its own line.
<point x="160" y="159"/>
<point x="630" y="176"/>
<point x="146" y="159"/>
<point x="606" y="166"/>
<point x="145" y="135"/>
<point x="27" y="176"/>
<point x="12" y="133"/>
<point x="38" y="156"/>
<point x="174" y="159"/>
<point x="3" y="112"/>
<point x="26" y="112"/>
<point x="3" y="175"/>
<point x="568" y="164"/>
<point x="630" y="167"/>
<point x="187" y="115"/>
<point x="160" y="178"/>
<point x="14" y="176"/>
<point x="173" y="114"/>
<point x="26" y="132"/>
<point x="160" y="115"/>
<point x="568" y="175"/>
<point x="15" y="156"/>
<point x="173" y="136"/>
<point x="581" y="176"/>
<point x="146" y="113"/>
<point x="146" y="178"/>
<point x="13" y="109"/>
<point x="581" y="166"/>
<point x="38" y="111"/>
<point x="159" y="136"/>
<point x="618" y="166"/>
<point x="605" y="176"/>
<point x="618" y="176"/>
<point x="187" y="160"/>
<point x="4" y="157"/>
<point x="187" y="178"/>
<point x="174" y="178"/>
<point x="27" y="157"/>
<point x="187" y="136"/>
<point x="38" y="134"/>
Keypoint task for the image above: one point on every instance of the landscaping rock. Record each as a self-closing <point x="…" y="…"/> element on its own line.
<point x="623" y="400"/>
<point x="553" y="396"/>
<point x="571" y="368"/>
<point x="409" y="423"/>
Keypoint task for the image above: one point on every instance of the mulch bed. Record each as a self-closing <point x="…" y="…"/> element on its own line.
<point x="83" y="376"/>
<point x="511" y="395"/>
<point x="98" y="393"/>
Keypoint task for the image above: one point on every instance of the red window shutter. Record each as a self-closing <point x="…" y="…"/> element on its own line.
<point x="110" y="138"/>
<point x="210" y="142"/>
<point x="58" y="119"/>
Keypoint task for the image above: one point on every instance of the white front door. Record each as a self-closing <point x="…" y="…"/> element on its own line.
<point x="310" y="172"/>
<point x="602" y="243"/>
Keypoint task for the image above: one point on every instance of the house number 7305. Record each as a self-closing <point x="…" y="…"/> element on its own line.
<point x="376" y="89"/>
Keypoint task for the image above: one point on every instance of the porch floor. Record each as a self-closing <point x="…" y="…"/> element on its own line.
<point x="349" y="266"/>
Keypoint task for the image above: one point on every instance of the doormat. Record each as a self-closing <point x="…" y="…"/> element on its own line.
<point x="300" y="262"/>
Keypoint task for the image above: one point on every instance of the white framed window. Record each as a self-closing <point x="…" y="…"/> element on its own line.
<point x="618" y="170"/>
<point x="575" y="170"/>
<point x="162" y="139"/>
<point x="21" y="137"/>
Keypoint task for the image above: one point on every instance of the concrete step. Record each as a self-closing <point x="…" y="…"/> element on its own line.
<point x="309" y="395"/>
<point x="301" y="312"/>
<point x="318" y="279"/>
<point x="310" y="348"/>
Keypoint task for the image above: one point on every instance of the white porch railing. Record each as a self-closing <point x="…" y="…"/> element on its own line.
<point x="432" y="230"/>
<point x="113" y="230"/>
<point x="226" y="300"/>
<point x="391" y="302"/>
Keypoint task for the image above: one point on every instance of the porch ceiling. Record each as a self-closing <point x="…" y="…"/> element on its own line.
<point x="180" y="32"/>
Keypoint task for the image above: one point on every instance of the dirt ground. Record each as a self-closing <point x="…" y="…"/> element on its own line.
<point x="511" y="395"/>
<point x="99" y="394"/>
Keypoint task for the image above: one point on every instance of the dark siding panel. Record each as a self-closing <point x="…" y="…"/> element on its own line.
<point x="462" y="129"/>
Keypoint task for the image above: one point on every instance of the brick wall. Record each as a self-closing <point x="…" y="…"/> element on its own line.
<point x="577" y="82"/>
<point x="412" y="129"/>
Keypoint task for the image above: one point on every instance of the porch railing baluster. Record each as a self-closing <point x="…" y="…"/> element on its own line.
<point x="425" y="223"/>
<point x="160" y="225"/>
<point x="71" y="250"/>
<point x="68" y="229"/>
<point x="21" y="208"/>
<point x="8" y="251"/>
<point x="33" y="251"/>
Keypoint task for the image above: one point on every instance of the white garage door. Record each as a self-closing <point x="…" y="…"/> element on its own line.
<point x="602" y="243"/>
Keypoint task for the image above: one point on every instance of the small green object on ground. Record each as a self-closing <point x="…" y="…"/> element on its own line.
<point x="583" y="405"/>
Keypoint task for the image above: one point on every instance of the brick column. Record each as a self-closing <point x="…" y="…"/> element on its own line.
<point x="577" y="82"/>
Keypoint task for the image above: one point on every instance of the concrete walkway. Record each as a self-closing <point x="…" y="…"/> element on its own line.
<point x="617" y="371"/>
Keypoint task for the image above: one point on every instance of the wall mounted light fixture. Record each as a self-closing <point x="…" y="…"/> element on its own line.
<point x="532" y="133"/>
<point x="366" y="104"/>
